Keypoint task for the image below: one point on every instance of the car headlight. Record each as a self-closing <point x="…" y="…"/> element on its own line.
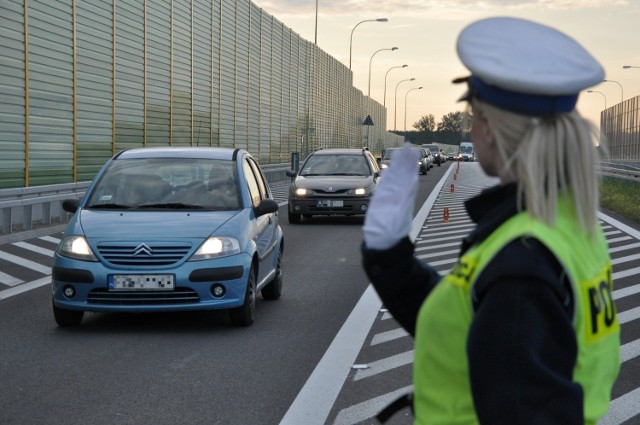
<point x="299" y="191"/>
<point x="215" y="247"/>
<point x="76" y="247"/>
<point x="360" y="191"/>
<point x="383" y="166"/>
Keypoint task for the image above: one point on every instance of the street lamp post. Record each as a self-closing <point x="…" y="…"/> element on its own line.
<point x="395" y="103"/>
<point x="384" y="102"/>
<point x="405" y="106"/>
<point x="354" y="28"/>
<point x="371" y="60"/>
<point x="621" y="90"/>
<point x="603" y="95"/>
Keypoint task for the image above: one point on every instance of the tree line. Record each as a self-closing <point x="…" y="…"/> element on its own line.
<point x="453" y="128"/>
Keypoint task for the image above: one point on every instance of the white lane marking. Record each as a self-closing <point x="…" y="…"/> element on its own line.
<point x="627" y="229"/>
<point x="319" y="393"/>
<point x="33" y="248"/>
<point x="626" y="273"/>
<point x="25" y="263"/>
<point x="625" y="292"/>
<point x="368" y="409"/>
<point x="439" y="246"/>
<point x="630" y="350"/>
<point x="625" y="259"/>
<point x="625" y="247"/>
<point x="384" y="365"/>
<point x="50" y="239"/>
<point x="25" y="287"/>
<point x="387" y="336"/>
<point x="620" y="239"/>
<point x="9" y="280"/>
<point x="622" y="408"/>
<point x="629" y="315"/>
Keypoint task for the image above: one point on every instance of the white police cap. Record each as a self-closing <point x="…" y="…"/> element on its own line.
<point x="525" y="67"/>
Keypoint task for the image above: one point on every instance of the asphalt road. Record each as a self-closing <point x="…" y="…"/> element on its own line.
<point x="295" y="365"/>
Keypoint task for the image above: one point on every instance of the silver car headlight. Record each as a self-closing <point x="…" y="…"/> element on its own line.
<point x="360" y="191"/>
<point x="300" y="191"/>
<point x="76" y="247"/>
<point x="216" y="247"/>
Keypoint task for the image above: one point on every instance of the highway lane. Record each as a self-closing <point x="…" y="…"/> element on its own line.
<point x="187" y="368"/>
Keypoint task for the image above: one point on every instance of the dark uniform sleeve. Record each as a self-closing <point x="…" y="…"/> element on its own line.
<point x="522" y="348"/>
<point x="401" y="280"/>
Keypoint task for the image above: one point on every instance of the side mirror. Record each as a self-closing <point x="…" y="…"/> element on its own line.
<point x="291" y="173"/>
<point x="71" y="205"/>
<point x="266" y="206"/>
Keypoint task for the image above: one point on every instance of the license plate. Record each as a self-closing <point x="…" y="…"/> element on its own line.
<point x="330" y="204"/>
<point x="141" y="282"/>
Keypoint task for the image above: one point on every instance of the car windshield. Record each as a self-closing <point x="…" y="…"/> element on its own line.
<point x="167" y="184"/>
<point x="387" y="153"/>
<point x="336" y="165"/>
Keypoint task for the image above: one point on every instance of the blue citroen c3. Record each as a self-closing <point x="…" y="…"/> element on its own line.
<point x="170" y="229"/>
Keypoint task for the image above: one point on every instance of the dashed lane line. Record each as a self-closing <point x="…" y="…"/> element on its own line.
<point x="384" y="365"/>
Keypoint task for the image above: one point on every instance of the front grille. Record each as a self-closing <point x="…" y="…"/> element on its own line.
<point x="177" y="296"/>
<point x="346" y="208"/>
<point x="157" y="254"/>
<point x="334" y="192"/>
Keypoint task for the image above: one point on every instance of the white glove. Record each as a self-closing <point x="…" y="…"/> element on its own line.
<point x="390" y="212"/>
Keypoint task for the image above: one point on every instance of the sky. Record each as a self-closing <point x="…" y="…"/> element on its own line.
<point x="425" y="33"/>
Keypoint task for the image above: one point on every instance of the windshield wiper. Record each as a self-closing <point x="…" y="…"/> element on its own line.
<point x="110" y="206"/>
<point x="173" y="206"/>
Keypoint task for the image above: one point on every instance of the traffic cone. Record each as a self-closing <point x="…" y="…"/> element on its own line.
<point x="445" y="215"/>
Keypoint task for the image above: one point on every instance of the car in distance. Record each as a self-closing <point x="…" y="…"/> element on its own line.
<point x="170" y="229"/>
<point x="438" y="157"/>
<point x="331" y="182"/>
<point x="424" y="163"/>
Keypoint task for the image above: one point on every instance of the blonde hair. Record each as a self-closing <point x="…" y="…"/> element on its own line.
<point x="548" y="157"/>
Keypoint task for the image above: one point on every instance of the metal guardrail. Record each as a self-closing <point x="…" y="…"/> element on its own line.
<point x="28" y="207"/>
<point x="621" y="173"/>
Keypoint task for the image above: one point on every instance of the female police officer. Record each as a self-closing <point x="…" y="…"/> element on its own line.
<point x="523" y="330"/>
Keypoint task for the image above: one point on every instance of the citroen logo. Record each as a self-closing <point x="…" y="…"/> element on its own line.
<point x="143" y="248"/>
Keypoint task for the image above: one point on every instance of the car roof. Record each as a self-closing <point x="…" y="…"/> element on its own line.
<point x="180" y="152"/>
<point x="334" y="151"/>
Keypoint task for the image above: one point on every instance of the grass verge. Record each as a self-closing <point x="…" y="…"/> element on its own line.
<point x="621" y="196"/>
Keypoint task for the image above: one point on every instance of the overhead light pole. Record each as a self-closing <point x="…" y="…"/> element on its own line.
<point x="371" y="60"/>
<point x="621" y="90"/>
<point x="395" y="103"/>
<point x="354" y="28"/>
<point x="384" y="102"/>
<point x="603" y="95"/>
<point x="405" y="105"/>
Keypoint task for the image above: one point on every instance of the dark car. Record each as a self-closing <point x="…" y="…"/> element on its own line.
<point x="438" y="157"/>
<point x="333" y="182"/>
<point x="170" y="229"/>
<point x="424" y="160"/>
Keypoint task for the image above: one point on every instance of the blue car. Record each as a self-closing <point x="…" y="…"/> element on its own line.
<point x="170" y="229"/>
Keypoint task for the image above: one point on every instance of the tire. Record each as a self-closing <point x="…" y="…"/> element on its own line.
<point x="245" y="314"/>
<point x="67" y="318"/>
<point x="273" y="290"/>
<point x="294" y="218"/>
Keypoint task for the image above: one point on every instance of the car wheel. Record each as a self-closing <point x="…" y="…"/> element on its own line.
<point x="67" y="318"/>
<point x="245" y="314"/>
<point x="273" y="290"/>
<point x="294" y="218"/>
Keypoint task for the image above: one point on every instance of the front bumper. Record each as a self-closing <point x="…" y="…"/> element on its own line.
<point x="193" y="289"/>
<point x="328" y="206"/>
